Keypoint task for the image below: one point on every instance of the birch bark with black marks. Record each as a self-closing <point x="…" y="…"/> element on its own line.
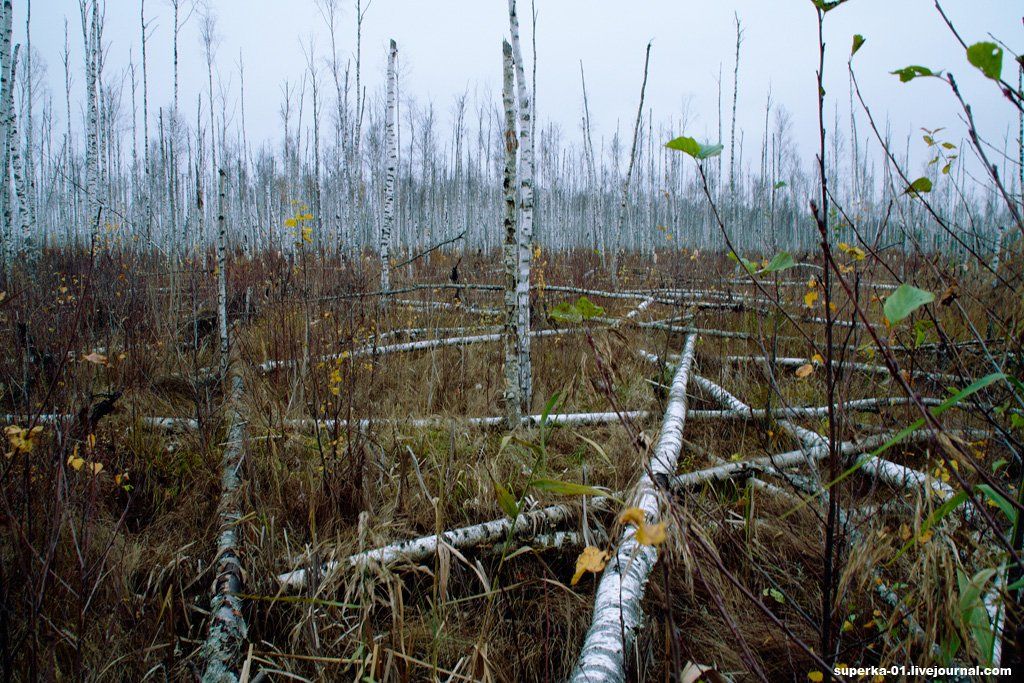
<point x="617" y="609"/>
<point x="227" y="629"/>
<point x="6" y="88"/>
<point x="389" y="174"/>
<point x="17" y="166"/>
<point x="222" y="279"/>
<point x="222" y="650"/>
<point x="525" y="236"/>
<point x="513" y="391"/>
<point x="91" y="35"/>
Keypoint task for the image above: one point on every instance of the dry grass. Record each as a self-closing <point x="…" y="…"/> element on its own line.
<point x="110" y="582"/>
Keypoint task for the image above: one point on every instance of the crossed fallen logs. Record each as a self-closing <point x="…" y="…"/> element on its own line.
<point x="617" y="606"/>
<point x="617" y="610"/>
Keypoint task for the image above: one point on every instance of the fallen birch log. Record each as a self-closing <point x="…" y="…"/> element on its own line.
<point x="227" y="629"/>
<point x="617" y="608"/>
<point x="562" y="419"/>
<point x="862" y="367"/>
<point x="445" y="306"/>
<point x="423" y="345"/>
<point x="525" y="525"/>
<point x="861" y="405"/>
<point x="166" y="423"/>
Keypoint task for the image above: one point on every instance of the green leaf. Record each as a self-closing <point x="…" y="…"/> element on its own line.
<point x="827" y="5"/>
<point x="597" y="447"/>
<point x="988" y="58"/>
<point x="708" y="151"/>
<point x="582" y="309"/>
<point x="566" y="488"/>
<point x="904" y="301"/>
<point x="779" y="185"/>
<point x="565" y="312"/>
<point x="858" y="41"/>
<point x="695" y="149"/>
<point x="1005" y="505"/>
<point x="749" y="265"/>
<point x="685" y="145"/>
<point x="548" y="407"/>
<point x="972" y="610"/>
<point x="919" y="186"/>
<point x="780" y="261"/>
<point x="506" y="500"/>
<point x="587" y="309"/>
<point x="909" y="73"/>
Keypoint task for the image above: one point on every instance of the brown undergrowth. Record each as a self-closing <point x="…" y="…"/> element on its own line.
<point x="106" y="564"/>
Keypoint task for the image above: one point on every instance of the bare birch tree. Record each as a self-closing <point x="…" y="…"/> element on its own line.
<point x="390" y="173"/>
<point x="513" y="390"/>
<point x="525" y="234"/>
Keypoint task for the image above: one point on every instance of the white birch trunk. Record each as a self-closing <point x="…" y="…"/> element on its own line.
<point x="222" y="649"/>
<point x="525" y="237"/>
<point x="525" y="525"/>
<point x="372" y="350"/>
<point x="390" y="173"/>
<point x="617" y="604"/>
<point x="222" y="275"/>
<point x="860" y="367"/>
<point x="6" y="90"/>
<point x="90" y="31"/>
<point x="171" y="424"/>
<point x="513" y="390"/>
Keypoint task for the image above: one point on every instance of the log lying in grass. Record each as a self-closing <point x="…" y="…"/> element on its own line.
<point x="562" y="419"/>
<point x="526" y="525"/>
<point x="423" y="345"/>
<point x="639" y="308"/>
<point x="620" y="590"/>
<point x="860" y="405"/>
<point x="860" y="367"/>
<point x="171" y="424"/>
<point x="820" y="451"/>
<point x="227" y="629"/>
<point x="789" y="459"/>
<point x="445" y="306"/>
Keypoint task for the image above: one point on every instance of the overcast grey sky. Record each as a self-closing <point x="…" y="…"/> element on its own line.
<point x="449" y="46"/>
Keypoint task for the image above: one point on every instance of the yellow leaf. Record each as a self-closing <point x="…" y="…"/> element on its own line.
<point x="816" y="358"/>
<point x="22" y="440"/>
<point x="815" y="676"/>
<point x="651" y="534"/>
<point x="809" y="298"/>
<point x="804" y="370"/>
<point x="634" y="516"/>
<point x="95" y="467"/>
<point x="76" y="462"/>
<point x="95" y="358"/>
<point x="592" y="559"/>
<point x="307" y="216"/>
<point x="290" y="223"/>
<point x="905" y="532"/>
